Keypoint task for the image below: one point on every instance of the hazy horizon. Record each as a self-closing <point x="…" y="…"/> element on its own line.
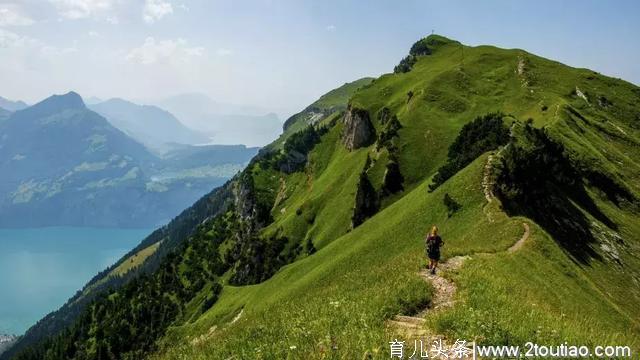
<point x="226" y="108"/>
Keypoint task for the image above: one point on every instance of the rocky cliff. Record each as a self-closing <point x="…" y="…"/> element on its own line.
<point x="358" y="129"/>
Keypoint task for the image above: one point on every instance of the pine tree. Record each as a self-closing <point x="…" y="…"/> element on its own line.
<point x="366" y="204"/>
<point x="393" y="179"/>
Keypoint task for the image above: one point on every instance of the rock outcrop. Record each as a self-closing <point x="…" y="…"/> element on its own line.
<point x="358" y="130"/>
<point x="246" y="206"/>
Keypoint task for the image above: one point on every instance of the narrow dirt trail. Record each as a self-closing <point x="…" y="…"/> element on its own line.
<point x="520" y="242"/>
<point x="413" y="327"/>
<point x="488" y="181"/>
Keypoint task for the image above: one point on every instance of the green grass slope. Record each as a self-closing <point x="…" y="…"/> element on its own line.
<point x="334" y="303"/>
<point x="337" y="299"/>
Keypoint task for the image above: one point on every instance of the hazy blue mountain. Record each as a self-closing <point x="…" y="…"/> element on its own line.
<point x="150" y="125"/>
<point x="224" y="123"/>
<point x="64" y="164"/>
<point x="92" y="100"/>
<point x="4" y="114"/>
<point x="12" y="105"/>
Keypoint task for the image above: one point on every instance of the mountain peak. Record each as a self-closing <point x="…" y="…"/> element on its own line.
<point x="436" y="40"/>
<point x="427" y="45"/>
<point x="422" y="47"/>
<point x="116" y="101"/>
<point x="56" y="103"/>
<point x="70" y="100"/>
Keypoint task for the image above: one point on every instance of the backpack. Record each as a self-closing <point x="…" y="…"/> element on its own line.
<point x="432" y="244"/>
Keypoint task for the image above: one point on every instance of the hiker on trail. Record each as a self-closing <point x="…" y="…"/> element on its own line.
<point x="433" y="242"/>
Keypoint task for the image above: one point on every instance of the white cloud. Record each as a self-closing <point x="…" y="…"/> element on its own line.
<point x="163" y="51"/>
<point x="224" y="52"/>
<point x="155" y="10"/>
<point x="79" y="9"/>
<point x="93" y="34"/>
<point x="331" y="28"/>
<point x="52" y="51"/>
<point x="10" y="39"/>
<point x="10" y="15"/>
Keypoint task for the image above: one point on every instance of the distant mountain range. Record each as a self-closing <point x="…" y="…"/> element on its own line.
<point x="12" y="105"/>
<point x="224" y="123"/>
<point x="64" y="164"/>
<point x="150" y="125"/>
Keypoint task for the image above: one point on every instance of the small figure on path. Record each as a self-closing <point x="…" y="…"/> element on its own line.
<point x="433" y="242"/>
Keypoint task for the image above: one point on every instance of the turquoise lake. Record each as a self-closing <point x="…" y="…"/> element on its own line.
<point x="41" y="268"/>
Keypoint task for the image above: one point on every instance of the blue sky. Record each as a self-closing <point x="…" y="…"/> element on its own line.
<point x="281" y="54"/>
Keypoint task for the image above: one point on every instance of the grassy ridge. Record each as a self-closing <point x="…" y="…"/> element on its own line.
<point x="335" y="302"/>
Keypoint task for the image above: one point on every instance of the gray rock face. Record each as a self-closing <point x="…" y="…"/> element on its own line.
<point x="358" y="130"/>
<point x="247" y="207"/>
<point x="244" y="201"/>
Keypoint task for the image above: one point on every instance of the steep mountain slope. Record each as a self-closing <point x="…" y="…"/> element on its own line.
<point x="149" y="125"/>
<point x="345" y="290"/>
<point x="318" y="243"/>
<point x="63" y="164"/>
